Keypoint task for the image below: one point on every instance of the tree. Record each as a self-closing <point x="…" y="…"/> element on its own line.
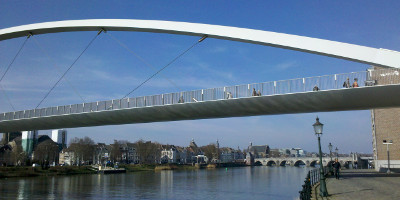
<point x="210" y="151"/>
<point x="46" y="153"/>
<point x="148" y="152"/>
<point x="6" y="157"/>
<point x="83" y="149"/>
<point x="116" y="153"/>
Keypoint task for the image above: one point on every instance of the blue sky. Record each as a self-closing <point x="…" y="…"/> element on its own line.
<point x="107" y="71"/>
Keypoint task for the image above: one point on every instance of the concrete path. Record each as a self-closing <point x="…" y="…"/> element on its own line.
<point x="363" y="184"/>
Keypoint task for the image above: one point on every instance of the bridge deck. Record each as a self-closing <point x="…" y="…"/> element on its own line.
<point x="305" y="102"/>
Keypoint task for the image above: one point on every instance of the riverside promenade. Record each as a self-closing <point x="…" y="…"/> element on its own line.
<point x="362" y="184"/>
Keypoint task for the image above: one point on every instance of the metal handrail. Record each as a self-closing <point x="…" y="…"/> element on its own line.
<point x="312" y="178"/>
<point x="325" y="82"/>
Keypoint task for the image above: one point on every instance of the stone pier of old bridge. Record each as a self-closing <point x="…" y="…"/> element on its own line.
<point x="297" y="161"/>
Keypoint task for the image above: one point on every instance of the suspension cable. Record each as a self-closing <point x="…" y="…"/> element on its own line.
<point x="7" y="98"/>
<point x="141" y="59"/>
<point x="69" y="68"/>
<point x="15" y="57"/>
<point x="8" y="68"/>
<point x="172" y="61"/>
<point x="54" y="63"/>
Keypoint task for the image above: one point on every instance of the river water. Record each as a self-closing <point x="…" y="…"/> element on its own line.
<point x="260" y="182"/>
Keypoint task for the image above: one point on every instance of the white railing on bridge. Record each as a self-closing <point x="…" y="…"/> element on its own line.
<point x="328" y="82"/>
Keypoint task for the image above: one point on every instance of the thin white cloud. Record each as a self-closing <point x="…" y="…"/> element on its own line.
<point x="286" y="65"/>
<point x="218" y="49"/>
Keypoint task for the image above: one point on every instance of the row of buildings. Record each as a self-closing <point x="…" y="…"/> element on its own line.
<point x="24" y="148"/>
<point x="195" y="154"/>
<point x="20" y="148"/>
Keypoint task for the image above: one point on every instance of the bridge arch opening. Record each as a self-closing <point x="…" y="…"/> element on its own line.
<point x="283" y="163"/>
<point x="299" y="163"/>
<point x="271" y="163"/>
<point x="257" y="163"/>
<point x="313" y="163"/>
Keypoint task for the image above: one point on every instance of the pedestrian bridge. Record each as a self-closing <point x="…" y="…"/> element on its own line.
<point x="297" y="161"/>
<point x="276" y="97"/>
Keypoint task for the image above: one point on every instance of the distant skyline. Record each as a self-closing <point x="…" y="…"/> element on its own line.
<point x="108" y="71"/>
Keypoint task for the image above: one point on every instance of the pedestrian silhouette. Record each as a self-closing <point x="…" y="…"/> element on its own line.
<point x="346" y="84"/>
<point x="229" y="95"/>
<point x="181" y="100"/>
<point x="337" y="167"/>
<point x="315" y="88"/>
<point x="355" y="84"/>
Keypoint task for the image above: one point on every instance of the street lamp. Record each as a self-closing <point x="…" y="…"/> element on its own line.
<point x="387" y="144"/>
<point x="330" y="150"/>
<point x="337" y="153"/>
<point x="330" y="155"/>
<point x="323" y="192"/>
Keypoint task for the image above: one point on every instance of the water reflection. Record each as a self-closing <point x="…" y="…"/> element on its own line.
<point x="235" y="183"/>
<point x="21" y="188"/>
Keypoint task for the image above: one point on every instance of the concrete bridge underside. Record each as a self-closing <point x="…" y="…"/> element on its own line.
<point x="306" y="102"/>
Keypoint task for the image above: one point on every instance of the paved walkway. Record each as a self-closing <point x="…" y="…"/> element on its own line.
<point x="363" y="184"/>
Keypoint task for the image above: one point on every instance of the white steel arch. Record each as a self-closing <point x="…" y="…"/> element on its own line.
<point x="357" y="53"/>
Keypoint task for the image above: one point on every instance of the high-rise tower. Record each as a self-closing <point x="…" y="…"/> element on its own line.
<point x="29" y="140"/>
<point x="59" y="136"/>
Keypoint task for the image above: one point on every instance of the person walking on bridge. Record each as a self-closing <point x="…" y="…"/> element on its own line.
<point x="337" y="167"/>
<point x="346" y="84"/>
<point x="355" y="84"/>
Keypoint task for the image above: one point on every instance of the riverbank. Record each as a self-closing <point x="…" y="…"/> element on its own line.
<point x="175" y="167"/>
<point x="10" y="172"/>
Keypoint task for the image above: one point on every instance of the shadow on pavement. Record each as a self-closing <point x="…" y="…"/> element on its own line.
<point x="345" y="174"/>
<point x="350" y="192"/>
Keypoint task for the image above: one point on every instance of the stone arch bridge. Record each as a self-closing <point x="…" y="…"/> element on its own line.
<point x="297" y="161"/>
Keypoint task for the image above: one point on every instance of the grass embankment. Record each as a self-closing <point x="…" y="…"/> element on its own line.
<point x="156" y="167"/>
<point x="8" y="172"/>
<point x="174" y="167"/>
<point x="137" y="168"/>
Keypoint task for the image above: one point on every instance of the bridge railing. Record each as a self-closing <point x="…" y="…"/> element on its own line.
<point x="313" y="177"/>
<point x="328" y="82"/>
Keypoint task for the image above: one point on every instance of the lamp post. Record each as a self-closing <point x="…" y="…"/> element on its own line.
<point x="330" y="155"/>
<point x="387" y="142"/>
<point x="323" y="192"/>
<point x="337" y="153"/>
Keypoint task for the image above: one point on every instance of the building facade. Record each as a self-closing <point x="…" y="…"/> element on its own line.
<point x="169" y="154"/>
<point x="385" y="123"/>
<point x="129" y="153"/>
<point x="259" y="151"/>
<point x="101" y="153"/>
<point x="67" y="157"/>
